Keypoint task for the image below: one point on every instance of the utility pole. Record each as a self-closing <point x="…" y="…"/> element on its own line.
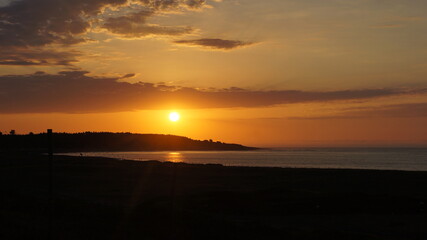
<point x="50" y="179"/>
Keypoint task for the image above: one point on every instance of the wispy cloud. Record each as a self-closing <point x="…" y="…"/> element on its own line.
<point x="135" y="25"/>
<point x="407" y="110"/>
<point x="396" y="110"/>
<point x="215" y="43"/>
<point x="37" y="56"/>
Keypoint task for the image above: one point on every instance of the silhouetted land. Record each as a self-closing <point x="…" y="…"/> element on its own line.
<point x="105" y="141"/>
<point x="99" y="198"/>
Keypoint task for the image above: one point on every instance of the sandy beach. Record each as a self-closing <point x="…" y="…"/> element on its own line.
<point x="98" y="198"/>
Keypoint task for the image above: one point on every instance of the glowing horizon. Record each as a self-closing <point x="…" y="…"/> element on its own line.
<point x="270" y="73"/>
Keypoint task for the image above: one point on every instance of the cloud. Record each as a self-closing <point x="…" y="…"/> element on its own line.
<point x="36" y="56"/>
<point x="38" y="23"/>
<point x="28" y="28"/>
<point x="397" y="110"/>
<point x="408" y="110"/>
<point x="134" y="26"/>
<point x="172" y="4"/>
<point x="75" y="92"/>
<point x="129" y="75"/>
<point x="29" y="23"/>
<point x="215" y="43"/>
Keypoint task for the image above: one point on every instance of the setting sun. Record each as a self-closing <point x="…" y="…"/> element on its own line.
<point x="174" y="116"/>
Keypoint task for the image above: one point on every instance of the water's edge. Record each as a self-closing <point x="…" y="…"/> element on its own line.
<point x="375" y="159"/>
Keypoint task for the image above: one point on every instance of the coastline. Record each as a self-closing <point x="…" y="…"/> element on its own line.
<point x="378" y="159"/>
<point x="121" y="199"/>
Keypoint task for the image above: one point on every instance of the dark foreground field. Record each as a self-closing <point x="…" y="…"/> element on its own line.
<point x="109" y="199"/>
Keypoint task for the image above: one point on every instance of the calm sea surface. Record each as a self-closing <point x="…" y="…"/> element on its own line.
<point x="414" y="159"/>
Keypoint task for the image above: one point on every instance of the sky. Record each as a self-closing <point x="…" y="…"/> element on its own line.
<point x="272" y="73"/>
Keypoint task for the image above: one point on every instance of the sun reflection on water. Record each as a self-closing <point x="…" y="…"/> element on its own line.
<point x="174" y="157"/>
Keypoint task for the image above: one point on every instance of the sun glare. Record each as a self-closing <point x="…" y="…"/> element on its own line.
<point x="174" y="116"/>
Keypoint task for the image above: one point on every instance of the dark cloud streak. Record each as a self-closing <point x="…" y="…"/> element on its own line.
<point x="215" y="43"/>
<point x="75" y="92"/>
<point x="37" y="56"/>
<point x="172" y="4"/>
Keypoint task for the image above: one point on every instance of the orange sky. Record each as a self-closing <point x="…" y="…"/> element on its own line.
<point x="261" y="73"/>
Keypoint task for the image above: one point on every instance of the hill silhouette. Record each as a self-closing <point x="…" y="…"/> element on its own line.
<point x="107" y="141"/>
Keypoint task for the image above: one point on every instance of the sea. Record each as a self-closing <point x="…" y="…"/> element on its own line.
<point x="406" y="159"/>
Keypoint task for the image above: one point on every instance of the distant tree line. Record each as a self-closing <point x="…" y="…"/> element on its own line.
<point x="107" y="141"/>
<point x="12" y="132"/>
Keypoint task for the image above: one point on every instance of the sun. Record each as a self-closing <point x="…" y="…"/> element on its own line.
<point x="174" y="116"/>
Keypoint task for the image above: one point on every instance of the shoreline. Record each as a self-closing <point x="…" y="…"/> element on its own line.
<point x="282" y="159"/>
<point x="239" y="166"/>
<point x="124" y="199"/>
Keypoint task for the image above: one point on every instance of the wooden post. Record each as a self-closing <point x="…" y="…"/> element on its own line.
<point x="50" y="184"/>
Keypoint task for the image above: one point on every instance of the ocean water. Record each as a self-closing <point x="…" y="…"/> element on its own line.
<point x="408" y="159"/>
